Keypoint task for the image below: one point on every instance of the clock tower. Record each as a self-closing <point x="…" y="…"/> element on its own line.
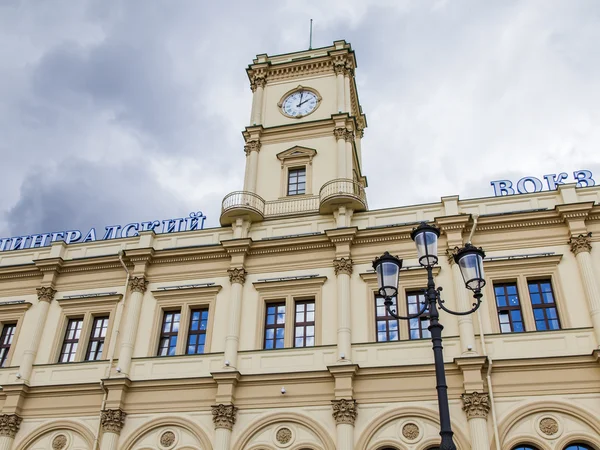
<point x="303" y="142"/>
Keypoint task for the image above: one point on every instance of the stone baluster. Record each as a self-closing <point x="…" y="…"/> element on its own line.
<point x="111" y="422"/>
<point x="344" y="413"/>
<point x="9" y="427"/>
<point x="224" y="419"/>
<point x="477" y="406"/>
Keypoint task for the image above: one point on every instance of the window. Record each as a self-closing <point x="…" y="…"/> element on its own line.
<point x="275" y="325"/>
<point x="97" y="337"/>
<point x="578" y="447"/>
<point x="304" y="328"/>
<point x="524" y="447"/>
<point x="197" y="332"/>
<point x="418" y="327"/>
<point x="6" y="338"/>
<point x="509" y="308"/>
<point x="71" y="340"/>
<point x="297" y="181"/>
<point x="169" y="332"/>
<point x="387" y="326"/>
<point x="544" y="306"/>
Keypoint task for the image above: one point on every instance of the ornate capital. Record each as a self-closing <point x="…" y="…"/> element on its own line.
<point x="450" y="254"/>
<point x="258" y="81"/>
<point x="349" y="135"/>
<point x="224" y="416"/>
<point x="581" y="243"/>
<point x="237" y="276"/>
<point x="45" y="294"/>
<point x="344" y="411"/>
<point x="138" y="284"/>
<point x="339" y="133"/>
<point x="339" y="68"/>
<point x="342" y="265"/>
<point x="112" y="420"/>
<point x="476" y="405"/>
<point x="360" y="132"/>
<point x="9" y="425"/>
<point x="252" y="146"/>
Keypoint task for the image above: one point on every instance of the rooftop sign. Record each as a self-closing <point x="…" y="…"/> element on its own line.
<point x="527" y="185"/>
<point x="195" y="221"/>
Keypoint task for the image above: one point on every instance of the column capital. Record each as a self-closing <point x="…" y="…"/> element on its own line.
<point x="344" y="411"/>
<point x="342" y="266"/>
<point x="581" y="243"/>
<point x="237" y="275"/>
<point x="9" y="425"/>
<point x="476" y="404"/>
<point x="340" y="133"/>
<point x="224" y="416"/>
<point x="253" y="145"/>
<point x="349" y="135"/>
<point x="259" y="80"/>
<point x="450" y="253"/>
<point x="112" y="420"/>
<point x="339" y="67"/>
<point x="45" y="294"/>
<point x="138" y="284"/>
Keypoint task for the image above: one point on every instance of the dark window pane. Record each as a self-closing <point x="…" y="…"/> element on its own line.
<point x="417" y="326"/>
<point x="170" y="331"/>
<point x="97" y="336"/>
<point x="197" y="331"/>
<point x="274" y="325"/>
<point x="71" y="340"/>
<point x="297" y="181"/>
<point x="304" y="327"/>
<point x="387" y="326"/>
<point x="509" y="307"/>
<point x="544" y="307"/>
<point x="8" y="332"/>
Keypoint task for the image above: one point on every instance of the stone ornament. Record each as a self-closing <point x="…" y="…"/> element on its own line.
<point x="138" y="284"/>
<point x="339" y="133"/>
<point x="59" y="442"/>
<point x="344" y="411"/>
<point x="45" y="294"/>
<point x="252" y="146"/>
<point x="342" y="265"/>
<point x="112" y="420"/>
<point x="237" y="275"/>
<point x="167" y="439"/>
<point x="410" y="431"/>
<point x="339" y="68"/>
<point x="224" y="416"/>
<point x="349" y="135"/>
<point x="450" y="254"/>
<point x="581" y="243"/>
<point x="476" y="405"/>
<point x="283" y="435"/>
<point x="9" y="425"/>
<point x="258" y="81"/>
<point x="548" y="426"/>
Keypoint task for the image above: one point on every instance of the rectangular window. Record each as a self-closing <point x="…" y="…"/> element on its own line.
<point x="71" y="341"/>
<point x="8" y="332"/>
<point x="169" y="332"/>
<point x="417" y="327"/>
<point x="97" y="337"/>
<point x="275" y="325"/>
<point x="304" y="328"/>
<point x="387" y="326"/>
<point x="297" y="181"/>
<point x="544" y="305"/>
<point x="509" y="308"/>
<point x="197" y="332"/>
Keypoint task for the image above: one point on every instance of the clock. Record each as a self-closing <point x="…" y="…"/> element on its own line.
<point x="299" y="103"/>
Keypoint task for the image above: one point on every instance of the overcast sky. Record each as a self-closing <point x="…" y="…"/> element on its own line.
<point x="123" y="111"/>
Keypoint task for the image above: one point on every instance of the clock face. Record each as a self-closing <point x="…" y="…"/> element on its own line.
<point x="300" y="103"/>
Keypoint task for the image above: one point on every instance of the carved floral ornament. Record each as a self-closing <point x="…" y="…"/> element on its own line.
<point x="237" y="275"/>
<point x="59" y="442"/>
<point x="344" y="411"/>
<point x="342" y="266"/>
<point x="9" y="424"/>
<point x="410" y="431"/>
<point x="283" y="435"/>
<point x="476" y="405"/>
<point x="112" y="420"/>
<point x="138" y="284"/>
<point x="450" y="253"/>
<point x="548" y="426"/>
<point x="581" y="243"/>
<point x="252" y="146"/>
<point x="258" y="80"/>
<point x="340" y="133"/>
<point x="349" y="135"/>
<point x="45" y="294"/>
<point x="224" y="416"/>
<point x="167" y="439"/>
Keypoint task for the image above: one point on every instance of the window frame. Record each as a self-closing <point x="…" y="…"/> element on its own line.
<point x="13" y="312"/>
<point x="387" y="318"/>
<point x="169" y="334"/>
<point x="92" y="339"/>
<point x="509" y="308"/>
<point x="290" y="171"/>
<point x="422" y="330"/>
<point x="198" y="332"/>
<point x="305" y="324"/>
<point x="275" y="326"/>
<point x="185" y="300"/>
<point x="544" y="306"/>
<point x="292" y="158"/>
<point x="66" y="340"/>
<point x="3" y="335"/>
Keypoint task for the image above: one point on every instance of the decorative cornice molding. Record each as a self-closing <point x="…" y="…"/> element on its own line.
<point x="252" y="146"/>
<point x="45" y="294"/>
<point x="112" y="420"/>
<point x="138" y="284"/>
<point x="581" y="243"/>
<point x="344" y="411"/>
<point x="476" y="405"/>
<point x="9" y="425"/>
<point x="224" y="416"/>
<point x="342" y="266"/>
<point x="237" y="275"/>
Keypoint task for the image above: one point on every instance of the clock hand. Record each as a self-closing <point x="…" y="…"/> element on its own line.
<point x="301" y="94"/>
<point x="301" y="103"/>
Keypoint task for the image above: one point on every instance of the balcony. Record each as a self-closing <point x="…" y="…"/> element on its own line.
<point x="242" y="204"/>
<point x="342" y="192"/>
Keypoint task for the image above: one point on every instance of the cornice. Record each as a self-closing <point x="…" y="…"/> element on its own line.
<point x="276" y="285"/>
<point x="384" y="234"/>
<point x="187" y="292"/>
<point x="575" y="210"/>
<point x="411" y="274"/>
<point x="237" y="245"/>
<point x="536" y="262"/>
<point x="301" y="130"/>
<point x="14" y="307"/>
<point x="338" y="235"/>
<point x="140" y="254"/>
<point x="457" y="222"/>
<point x="49" y="264"/>
<point x="19" y="271"/>
<point x="188" y="254"/>
<point x="89" y="301"/>
<point x="291" y="244"/>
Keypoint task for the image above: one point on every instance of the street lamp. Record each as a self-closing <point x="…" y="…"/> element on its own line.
<point x="470" y="262"/>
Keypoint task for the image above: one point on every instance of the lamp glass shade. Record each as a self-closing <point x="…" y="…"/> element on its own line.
<point x="387" y="268"/>
<point x="470" y="262"/>
<point x="426" y="239"/>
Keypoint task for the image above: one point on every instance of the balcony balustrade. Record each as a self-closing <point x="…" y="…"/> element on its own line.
<point x="342" y="191"/>
<point x="242" y="204"/>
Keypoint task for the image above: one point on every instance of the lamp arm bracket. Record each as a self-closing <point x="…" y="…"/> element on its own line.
<point x="392" y="312"/>
<point x="475" y="307"/>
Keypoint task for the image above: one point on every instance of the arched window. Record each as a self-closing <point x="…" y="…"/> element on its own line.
<point x="524" y="447"/>
<point x="578" y="447"/>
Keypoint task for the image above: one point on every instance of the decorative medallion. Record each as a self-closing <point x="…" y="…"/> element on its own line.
<point x="581" y="243"/>
<point x="548" y="426"/>
<point x="45" y="294"/>
<point x="476" y="405"/>
<point x="410" y="431"/>
<point x="138" y="284"/>
<point x="237" y="276"/>
<point x="224" y="416"/>
<point x="9" y="425"/>
<point x="59" y="442"/>
<point x="167" y="439"/>
<point x="283" y="435"/>
<point x="344" y="411"/>
<point x="112" y="420"/>
<point x="342" y="266"/>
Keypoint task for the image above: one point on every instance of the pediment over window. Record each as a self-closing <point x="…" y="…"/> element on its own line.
<point x="297" y="153"/>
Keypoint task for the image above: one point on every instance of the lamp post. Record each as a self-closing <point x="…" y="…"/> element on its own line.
<point x="470" y="262"/>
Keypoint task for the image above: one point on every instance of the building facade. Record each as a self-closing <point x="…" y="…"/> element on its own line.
<point x="267" y="332"/>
